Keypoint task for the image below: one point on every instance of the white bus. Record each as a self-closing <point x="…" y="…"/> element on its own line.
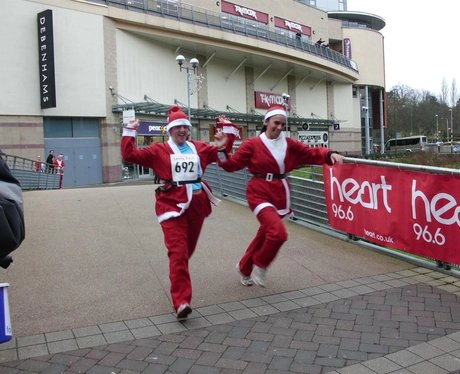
<point x="406" y="144"/>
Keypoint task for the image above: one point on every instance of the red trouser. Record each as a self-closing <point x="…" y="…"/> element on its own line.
<point x="181" y="236"/>
<point x="267" y="242"/>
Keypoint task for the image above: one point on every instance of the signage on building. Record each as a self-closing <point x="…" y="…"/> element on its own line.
<point x="46" y="59"/>
<point x="243" y="11"/>
<point x="152" y="128"/>
<point x="347" y="48"/>
<point x="264" y="100"/>
<point x="314" y="138"/>
<point x="292" y="26"/>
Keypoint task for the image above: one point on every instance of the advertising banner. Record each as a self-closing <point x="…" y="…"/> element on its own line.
<point x="292" y="26"/>
<point x="347" y="48"/>
<point x="314" y="138"/>
<point x="263" y="100"/>
<point x="244" y="12"/>
<point x="152" y="128"/>
<point x="417" y="212"/>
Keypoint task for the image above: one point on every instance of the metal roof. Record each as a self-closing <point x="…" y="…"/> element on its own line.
<point x="207" y="113"/>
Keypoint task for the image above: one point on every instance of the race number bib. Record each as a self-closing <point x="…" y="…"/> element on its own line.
<point x="184" y="167"/>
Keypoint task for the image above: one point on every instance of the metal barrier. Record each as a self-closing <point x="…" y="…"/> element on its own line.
<point x="29" y="176"/>
<point x="308" y="202"/>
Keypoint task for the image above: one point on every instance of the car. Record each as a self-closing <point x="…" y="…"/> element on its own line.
<point x="456" y="148"/>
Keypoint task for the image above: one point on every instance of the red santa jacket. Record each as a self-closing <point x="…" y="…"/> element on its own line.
<point x="264" y="156"/>
<point x="59" y="166"/>
<point x="157" y="157"/>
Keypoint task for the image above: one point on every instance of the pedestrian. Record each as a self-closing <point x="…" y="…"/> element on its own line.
<point x="183" y="199"/>
<point x="59" y="168"/>
<point x="269" y="157"/>
<point x="50" y="162"/>
<point x="38" y="165"/>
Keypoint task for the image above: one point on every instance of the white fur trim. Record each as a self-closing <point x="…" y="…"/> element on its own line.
<point x="178" y="122"/>
<point x="281" y="212"/>
<point x="129" y="132"/>
<point x="262" y="206"/>
<point x="277" y="147"/>
<point x="274" y="112"/>
<point x="211" y="197"/>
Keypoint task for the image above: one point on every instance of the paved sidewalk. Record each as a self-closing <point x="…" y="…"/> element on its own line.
<point x="89" y="294"/>
<point x="402" y="322"/>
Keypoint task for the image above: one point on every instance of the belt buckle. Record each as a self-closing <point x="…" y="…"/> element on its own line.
<point x="269" y="177"/>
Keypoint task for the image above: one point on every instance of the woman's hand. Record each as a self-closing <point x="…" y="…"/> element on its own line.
<point x="220" y="140"/>
<point x="336" y="158"/>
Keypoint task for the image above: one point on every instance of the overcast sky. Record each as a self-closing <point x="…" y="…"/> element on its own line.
<point x="422" y="43"/>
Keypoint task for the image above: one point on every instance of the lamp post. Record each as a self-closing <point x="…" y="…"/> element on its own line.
<point x="189" y="70"/>
<point x="451" y="130"/>
<point x="437" y="127"/>
<point x="447" y="128"/>
<point x="286" y="98"/>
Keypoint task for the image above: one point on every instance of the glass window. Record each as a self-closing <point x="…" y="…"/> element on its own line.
<point x="57" y="127"/>
<point x="62" y="127"/>
<point x="85" y="127"/>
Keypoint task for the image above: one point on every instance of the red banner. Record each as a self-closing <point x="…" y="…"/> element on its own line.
<point x="416" y="212"/>
<point x="242" y="11"/>
<point x="265" y="100"/>
<point x="292" y="26"/>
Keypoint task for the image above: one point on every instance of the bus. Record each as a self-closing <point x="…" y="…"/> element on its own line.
<point x="406" y="144"/>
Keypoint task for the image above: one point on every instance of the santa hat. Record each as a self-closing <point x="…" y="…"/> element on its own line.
<point x="226" y="126"/>
<point x="274" y="110"/>
<point x="176" y="117"/>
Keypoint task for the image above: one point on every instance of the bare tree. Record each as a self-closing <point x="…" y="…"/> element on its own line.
<point x="444" y="92"/>
<point x="453" y="93"/>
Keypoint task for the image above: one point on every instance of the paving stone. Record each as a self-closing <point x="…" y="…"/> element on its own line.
<point x="382" y="330"/>
<point x="31" y="340"/>
<point x="87" y="331"/>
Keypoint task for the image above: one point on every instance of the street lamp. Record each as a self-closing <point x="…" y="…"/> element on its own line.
<point x="447" y="128"/>
<point x="189" y="70"/>
<point x="286" y="98"/>
<point x="451" y="130"/>
<point x="437" y="127"/>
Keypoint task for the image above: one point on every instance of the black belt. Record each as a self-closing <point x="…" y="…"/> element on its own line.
<point x="180" y="183"/>
<point x="167" y="185"/>
<point x="269" y="176"/>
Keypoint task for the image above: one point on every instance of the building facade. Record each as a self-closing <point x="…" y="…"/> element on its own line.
<point x="74" y="69"/>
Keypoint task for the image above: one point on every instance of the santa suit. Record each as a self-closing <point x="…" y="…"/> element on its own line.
<point x="268" y="193"/>
<point x="59" y="168"/>
<point x="180" y="210"/>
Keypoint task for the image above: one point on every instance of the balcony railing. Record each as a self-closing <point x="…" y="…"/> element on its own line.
<point x="203" y="17"/>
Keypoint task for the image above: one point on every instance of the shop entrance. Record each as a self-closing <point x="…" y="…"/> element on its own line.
<point x="147" y="134"/>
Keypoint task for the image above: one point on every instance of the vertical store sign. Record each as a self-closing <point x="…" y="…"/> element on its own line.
<point x="347" y="48"/>
<point x="46" y="59"/>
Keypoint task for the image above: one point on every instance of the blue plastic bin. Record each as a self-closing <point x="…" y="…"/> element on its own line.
<point x="5" y="320"/>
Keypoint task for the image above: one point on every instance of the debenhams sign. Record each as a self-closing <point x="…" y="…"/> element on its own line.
<point x="46" y="59"/>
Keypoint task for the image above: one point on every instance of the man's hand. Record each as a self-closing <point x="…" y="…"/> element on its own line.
<point x="133" y="124"/>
